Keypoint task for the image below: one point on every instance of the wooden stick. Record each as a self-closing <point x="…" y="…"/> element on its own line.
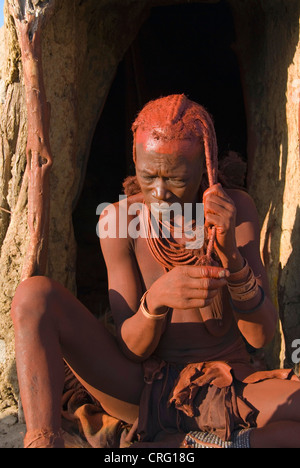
<point x="29" y="17"/>
<point x="5" y="211"/>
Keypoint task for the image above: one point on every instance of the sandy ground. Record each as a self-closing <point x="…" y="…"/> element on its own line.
<point x="11" y="431"/>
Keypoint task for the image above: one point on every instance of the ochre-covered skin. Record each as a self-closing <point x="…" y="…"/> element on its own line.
<point x="51" y="324"/>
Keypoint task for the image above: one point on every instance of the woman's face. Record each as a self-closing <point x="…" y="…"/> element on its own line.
<point x="169" y="171"/>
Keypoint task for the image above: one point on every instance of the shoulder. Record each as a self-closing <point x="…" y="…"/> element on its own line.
<point x="115" y="216"/>
<point x="244" y="203"/>
<point x="247" y="221"/>
<point x="114" y="227"/>
<point x="240" y="197"/>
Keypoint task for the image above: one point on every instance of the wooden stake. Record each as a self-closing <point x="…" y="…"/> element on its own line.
<point x="29" y="17"/>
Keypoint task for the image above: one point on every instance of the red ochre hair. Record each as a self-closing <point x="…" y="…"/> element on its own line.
<point x="176" y="117"/>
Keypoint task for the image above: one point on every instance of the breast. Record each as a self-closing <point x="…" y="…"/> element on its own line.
<point x="187" y="337"/>
<point x="149" y="267"/>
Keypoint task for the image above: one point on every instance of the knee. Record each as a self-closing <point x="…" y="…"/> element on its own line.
<point x="32" y="298"/>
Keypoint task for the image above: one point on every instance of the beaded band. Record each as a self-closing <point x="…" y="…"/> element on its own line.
<point x="146" y="313"/>
<point x="239" y="439"/>
<point x="250" y="311"/>
<point x="242" y="285"/>
<point x="236" y="277"/>
<point x="244" y="293"/>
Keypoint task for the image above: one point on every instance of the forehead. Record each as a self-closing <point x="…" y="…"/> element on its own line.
<point x="180" y="151"/>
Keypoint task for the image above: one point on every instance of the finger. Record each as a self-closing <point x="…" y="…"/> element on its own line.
<point x="216" y="189"/>
<point x="217" y="196"/>
<point x="198" y="303"/>
<point x="213" y="220"/>
<point x="218" y="205"/>
<point x="207" y="272"/>
<point x="205" y="284"/>
<point x="211" y="284"/>
<point x="203" y="294"/>
<point x="218" y="199"/>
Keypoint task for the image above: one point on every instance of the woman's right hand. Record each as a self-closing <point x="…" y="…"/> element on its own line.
<point x="186" y="287"/>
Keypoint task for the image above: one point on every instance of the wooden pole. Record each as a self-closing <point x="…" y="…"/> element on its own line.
<point x="29" y="17"/>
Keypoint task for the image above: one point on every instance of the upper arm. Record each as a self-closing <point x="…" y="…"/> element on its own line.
<point x="124" y="283"/>
<point x="248" y="234"/>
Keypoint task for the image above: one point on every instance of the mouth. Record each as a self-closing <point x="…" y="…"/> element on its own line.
<point x="156" y="206"/>
<point x="163" y="210"/>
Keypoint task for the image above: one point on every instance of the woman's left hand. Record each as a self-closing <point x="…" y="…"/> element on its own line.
<point x="220" y="211"/>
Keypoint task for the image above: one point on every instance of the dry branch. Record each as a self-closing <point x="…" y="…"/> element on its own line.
<point x="29" y="17"/>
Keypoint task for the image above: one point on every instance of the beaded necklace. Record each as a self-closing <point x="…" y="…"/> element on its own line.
<point x="170" y="253"/>
<point x="169" y="112"/>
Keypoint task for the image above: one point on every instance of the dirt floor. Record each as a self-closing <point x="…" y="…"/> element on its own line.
<point x="11" y="431"/>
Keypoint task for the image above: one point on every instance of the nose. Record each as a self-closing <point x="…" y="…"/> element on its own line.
<point x="160" y="192"/>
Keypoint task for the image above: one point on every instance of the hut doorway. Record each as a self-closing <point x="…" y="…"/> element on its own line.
<point x="184" y="48"/>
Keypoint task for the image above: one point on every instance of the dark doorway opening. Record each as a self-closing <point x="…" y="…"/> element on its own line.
<point x="180" y="49"/>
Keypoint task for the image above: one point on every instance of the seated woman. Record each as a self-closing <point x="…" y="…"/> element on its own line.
<point x="179" y="365"/>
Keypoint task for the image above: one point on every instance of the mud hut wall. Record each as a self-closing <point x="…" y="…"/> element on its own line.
<point x="13" y="198"/>
<point x="269" y="62"/>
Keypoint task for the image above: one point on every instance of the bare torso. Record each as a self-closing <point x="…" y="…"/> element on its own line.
<point x="187" y="337"/>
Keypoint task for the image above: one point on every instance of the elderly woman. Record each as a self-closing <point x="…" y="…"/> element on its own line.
<point x="178" y="366"/>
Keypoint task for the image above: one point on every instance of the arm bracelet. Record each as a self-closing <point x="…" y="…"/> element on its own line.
<point x="250" y="311"/>
<point x="146" y="313"/>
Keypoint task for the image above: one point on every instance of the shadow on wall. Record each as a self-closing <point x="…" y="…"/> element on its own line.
<point x="269" y="57"/>
<point x="289" y="294"/>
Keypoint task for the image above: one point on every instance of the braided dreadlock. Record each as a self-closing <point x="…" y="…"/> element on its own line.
<point x="176" y="117"/>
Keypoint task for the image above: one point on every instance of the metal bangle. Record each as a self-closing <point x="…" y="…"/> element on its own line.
<point x="146" y="313"/>
<point x="250" y="311"/>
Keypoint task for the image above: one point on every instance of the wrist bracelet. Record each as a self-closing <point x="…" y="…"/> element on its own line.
<point x="239" y="275"/>
<point x="244" y="293"/>
<point x="242" y="285"/>
<point x="250" y="311"/>
<point x="146" y="313"/>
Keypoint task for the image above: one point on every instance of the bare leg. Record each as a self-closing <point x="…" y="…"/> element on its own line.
<point x="278" y="402"/>
<point x="51" y="324"/>
<point x="283" y="434"/>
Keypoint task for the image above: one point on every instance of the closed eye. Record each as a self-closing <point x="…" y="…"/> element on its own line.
<point x="179" y="182"/>
<point x="173" y="180"/>
<point x="148" y="178"/>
